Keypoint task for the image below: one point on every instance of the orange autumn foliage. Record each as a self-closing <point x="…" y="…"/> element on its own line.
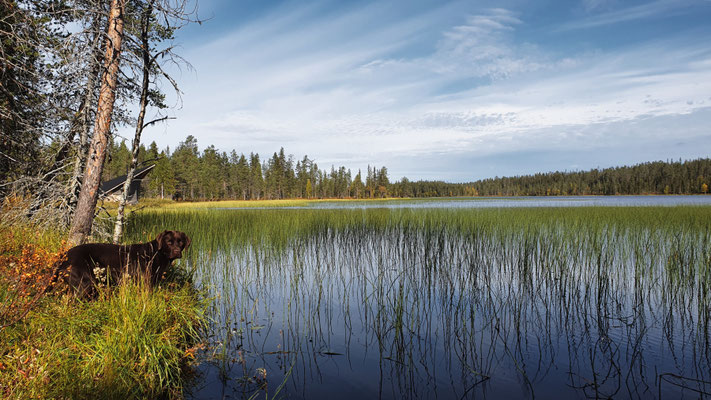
<point x="25" y="271"/>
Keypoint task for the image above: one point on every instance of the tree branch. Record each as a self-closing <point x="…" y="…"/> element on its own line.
<point x="155" y="121"/>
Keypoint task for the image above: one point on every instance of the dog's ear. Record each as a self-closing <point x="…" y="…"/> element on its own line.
<point x="187" y="241"/>
<point x="159" y="239"/>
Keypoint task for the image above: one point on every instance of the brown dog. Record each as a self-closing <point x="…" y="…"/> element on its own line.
<point x="88" y="264"/>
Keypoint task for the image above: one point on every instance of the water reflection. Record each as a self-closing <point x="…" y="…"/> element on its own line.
<point x="433" y="312"/>
<point x="508" y="202"/>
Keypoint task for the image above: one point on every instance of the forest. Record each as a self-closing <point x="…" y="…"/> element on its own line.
<point x="73" y="73"/>
<point x="76" y="73"/>
<point x="189" y="174"/>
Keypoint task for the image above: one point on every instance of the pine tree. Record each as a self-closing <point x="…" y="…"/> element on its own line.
<point x="86" y="204"/>
<point x="356" y="188"/>
<point x="185" y="163"/>
<point x="256" y="181"/>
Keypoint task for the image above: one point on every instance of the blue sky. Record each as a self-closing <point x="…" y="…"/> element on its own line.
<point x="449" y="90"/>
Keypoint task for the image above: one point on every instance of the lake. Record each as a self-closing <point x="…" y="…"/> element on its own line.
<point x="508" y="202"/>
<point x="464" y="298"/>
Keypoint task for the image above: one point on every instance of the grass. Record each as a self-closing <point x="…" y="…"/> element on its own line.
<point x="215" y="229"/>
<point x="154" y="204"/>
<point x="469" y="289"/>
<point x="130" y="344"/>
<point x="133" y="342"/>
<point x="437" y="294"/>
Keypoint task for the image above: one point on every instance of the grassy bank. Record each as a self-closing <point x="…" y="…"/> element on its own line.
<point x="133" y="342"/>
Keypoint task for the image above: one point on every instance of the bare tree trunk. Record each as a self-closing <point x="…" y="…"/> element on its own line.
<point x="83" y="150"/>
<point x="145" y="26"/>
<point x="86" y="205"/>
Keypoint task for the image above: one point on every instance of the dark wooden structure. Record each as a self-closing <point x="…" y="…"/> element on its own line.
<point x="112" y="190"/>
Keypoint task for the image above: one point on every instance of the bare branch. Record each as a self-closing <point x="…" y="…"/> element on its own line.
<point x="156" y="121"/>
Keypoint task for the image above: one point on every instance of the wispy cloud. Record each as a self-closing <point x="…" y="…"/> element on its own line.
<point x="648" y="10"/>
<point x="366" y="86"/>
<point x="595" y="5"/>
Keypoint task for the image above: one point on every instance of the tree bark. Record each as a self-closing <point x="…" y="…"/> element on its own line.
<point x="86" y="204"/>
<point x="145" y="26"/>
<point x="83" y="149"/>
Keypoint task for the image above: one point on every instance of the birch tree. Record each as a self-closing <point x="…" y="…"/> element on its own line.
<point x="147" y="62"/>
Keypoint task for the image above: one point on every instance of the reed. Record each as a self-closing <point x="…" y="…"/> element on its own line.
<point x="551" y="297"/>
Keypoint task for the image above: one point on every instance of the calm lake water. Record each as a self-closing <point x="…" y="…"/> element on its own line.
<point x="524" y="201"/>
<point x="450" y="299"/>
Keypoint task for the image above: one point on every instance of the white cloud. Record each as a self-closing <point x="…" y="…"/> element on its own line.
<point x="647" y="10"/>
<point x="595" y="5"/>
<point x="349" y="89"/>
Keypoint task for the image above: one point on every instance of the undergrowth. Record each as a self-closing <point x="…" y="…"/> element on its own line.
<point x="133" y="342"/>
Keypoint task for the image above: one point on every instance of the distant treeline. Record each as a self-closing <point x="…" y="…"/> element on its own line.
<point x="189" y="174"/>
<point x="658" y="177"/>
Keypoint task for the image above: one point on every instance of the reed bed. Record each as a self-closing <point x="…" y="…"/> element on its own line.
<point x="602" y="302"/>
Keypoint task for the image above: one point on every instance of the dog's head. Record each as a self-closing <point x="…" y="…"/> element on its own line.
<point x="172" y="243"/>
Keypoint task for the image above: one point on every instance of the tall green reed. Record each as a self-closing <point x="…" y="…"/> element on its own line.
<point x="485" y="286"/>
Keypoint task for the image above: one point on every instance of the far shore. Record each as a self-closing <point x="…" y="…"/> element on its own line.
<point x="153" y="203"/>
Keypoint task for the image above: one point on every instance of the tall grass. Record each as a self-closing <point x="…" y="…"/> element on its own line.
<point x="130" y="344"/>
<point x="549" y="297"/>
<point x="133" y="342"/>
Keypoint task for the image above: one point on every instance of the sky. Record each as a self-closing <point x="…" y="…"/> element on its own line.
<point x="454" y="91"/>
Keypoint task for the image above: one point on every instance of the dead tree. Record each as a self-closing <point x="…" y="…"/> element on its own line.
<point x="146" y="60"/>
<point x="85" y="113"/>
<point x="150" y="66"/>
<point x="88" y="196"/>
